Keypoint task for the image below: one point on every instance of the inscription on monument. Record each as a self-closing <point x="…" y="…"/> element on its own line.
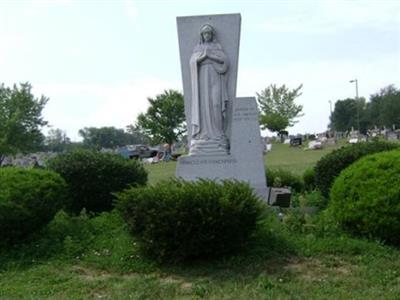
<point x="245" y="113"/>
<point x="209" y="161"/>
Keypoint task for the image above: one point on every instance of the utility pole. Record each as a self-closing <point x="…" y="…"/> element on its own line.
<point x="330" y="106"/>
<point x="358" y="109"/>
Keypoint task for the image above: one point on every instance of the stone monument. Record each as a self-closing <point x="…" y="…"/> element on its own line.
<point x="223" y="131"/>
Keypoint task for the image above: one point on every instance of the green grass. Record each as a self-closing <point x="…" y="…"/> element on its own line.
<point x="294" y="159"/>
<point x="276" y="264"/>
<point x="160" y="171"/>
<point x="282" y="156"/>
<point x="100" y="260"/>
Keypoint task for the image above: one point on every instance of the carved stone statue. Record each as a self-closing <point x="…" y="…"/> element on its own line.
<point x="208" y="70"/>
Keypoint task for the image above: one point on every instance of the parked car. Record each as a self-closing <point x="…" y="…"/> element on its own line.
<point x="137" y="151"/>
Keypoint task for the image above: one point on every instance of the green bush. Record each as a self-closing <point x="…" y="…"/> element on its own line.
<point x="330" y="166"/>
<point x="365" y="198"/>
<point x="29" y="198"/>
<point x="309" y="179"/>
<point x="282" y="178"/>
<point x="69" y="235"/>
<point x="177" y="220"/>
<point x="92" y="177"/>
<point x="309" y="199"/>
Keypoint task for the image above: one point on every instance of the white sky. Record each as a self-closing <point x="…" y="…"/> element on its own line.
<point x="98" y="61"/>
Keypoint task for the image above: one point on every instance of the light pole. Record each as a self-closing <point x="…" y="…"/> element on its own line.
<point x="358" y="110"/>
<point x="330" y="106"/>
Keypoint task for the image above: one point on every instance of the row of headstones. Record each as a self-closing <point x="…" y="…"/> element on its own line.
<point x="29" y="160"/>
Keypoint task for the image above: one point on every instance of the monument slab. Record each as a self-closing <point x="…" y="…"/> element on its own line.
<point x="223" y="131"/>
<point x="245" y="161"/>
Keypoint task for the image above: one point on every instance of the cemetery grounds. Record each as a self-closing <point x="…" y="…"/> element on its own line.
<point x="277" y="264"/>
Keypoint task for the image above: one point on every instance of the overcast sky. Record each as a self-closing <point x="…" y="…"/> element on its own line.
<point x="98" y="61"/>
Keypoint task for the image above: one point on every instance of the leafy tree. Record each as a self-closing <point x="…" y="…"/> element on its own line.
<point x="57" y="140"/>
<point x="277" y="108"/>
<point x="107" y="137"/>
<point x="344" y="115"/>
<point x="164" y="119"/>
<point x="20" y="120"/>
<point x="384" y="107"/>
<point x="350" y="113"/>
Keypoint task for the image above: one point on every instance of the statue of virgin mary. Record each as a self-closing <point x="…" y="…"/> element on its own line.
<point x="208" y="70"/>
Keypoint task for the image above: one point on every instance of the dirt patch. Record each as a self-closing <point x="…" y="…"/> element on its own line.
<point x="317" y="270"/>
<point x="89" y="274"/>
<point x="184" y="285"/>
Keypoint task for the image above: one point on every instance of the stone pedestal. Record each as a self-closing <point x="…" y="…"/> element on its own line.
<point x="245" y="160"/>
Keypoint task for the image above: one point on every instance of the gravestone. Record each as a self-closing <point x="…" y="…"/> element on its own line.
<point x="223" y="130"/>
<point x="279" y="197"/>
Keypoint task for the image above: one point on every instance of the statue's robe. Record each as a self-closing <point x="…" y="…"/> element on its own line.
<point x="209" y="99"/>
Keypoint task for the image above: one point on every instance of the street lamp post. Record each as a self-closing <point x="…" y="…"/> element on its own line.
<point x="330" y="106"/>
<point x="358" y="110"/>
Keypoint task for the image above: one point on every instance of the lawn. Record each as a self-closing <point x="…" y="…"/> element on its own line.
<point x="282" y="156"/>
<point x="276" y="264"/>
<point x="100" y="260"/>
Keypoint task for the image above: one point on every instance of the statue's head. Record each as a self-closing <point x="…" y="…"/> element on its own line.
<point x="207" y="33"/>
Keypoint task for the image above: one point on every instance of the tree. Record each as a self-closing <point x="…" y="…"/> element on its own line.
<point x="384" y="107"/>
<point x="107" y="137"/>
<point x="164" y="120"/>
<point x="350" y="113"/>
<point x="277" y="108"/>
<point x="20" y="120"/>
<point x="57" y="140"/>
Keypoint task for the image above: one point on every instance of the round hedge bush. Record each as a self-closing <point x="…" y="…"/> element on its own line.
<point x="330" y="166"/>
<point x="29" y="198"/>
<point x="93" y="177"/>
<point x="365" y="198"/>
<point x="178" y="220"/>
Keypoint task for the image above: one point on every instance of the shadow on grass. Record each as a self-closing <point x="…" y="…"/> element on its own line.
<point x="268" y="251"/>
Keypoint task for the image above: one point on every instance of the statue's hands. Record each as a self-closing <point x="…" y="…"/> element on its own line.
<point x="202" y="56"/>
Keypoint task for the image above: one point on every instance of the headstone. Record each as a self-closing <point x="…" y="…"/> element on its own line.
<point x="223" y="131"/>
<point x="392" y="136"/>
<point x="279" y="197"/>
<point x="296" y="141"/>
<point x="314" y="145"/>
<point x="353" y="141"/>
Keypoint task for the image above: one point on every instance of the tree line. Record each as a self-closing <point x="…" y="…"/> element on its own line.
<point x="382" y="110"/>
<point x="21" y="119"/>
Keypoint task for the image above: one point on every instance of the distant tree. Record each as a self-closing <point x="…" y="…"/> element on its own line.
<point x="107" y="137"/>
<point x="57" y="140"/>
<point x="20" y="120"/>
<point x="350" y="113"/>
<point x="137" y="135"/>
<point x="277" y="108"/>
<point x="164" y="121"/>
<point x="384" y="107"/>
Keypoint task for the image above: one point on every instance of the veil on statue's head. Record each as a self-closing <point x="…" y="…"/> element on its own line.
<point x="207" y="27"/>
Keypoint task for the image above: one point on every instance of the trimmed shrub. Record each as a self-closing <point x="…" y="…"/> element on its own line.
<point x="309" y="179"/>
<point x="29" y="198"/>
<point x="309" y="199"/>
<point x="282" y="178"/>
<point x="330" y="166"/>
<point x="365" y="198"/>
<point x="177" y="220"/>
<point x="92" y="177"/>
